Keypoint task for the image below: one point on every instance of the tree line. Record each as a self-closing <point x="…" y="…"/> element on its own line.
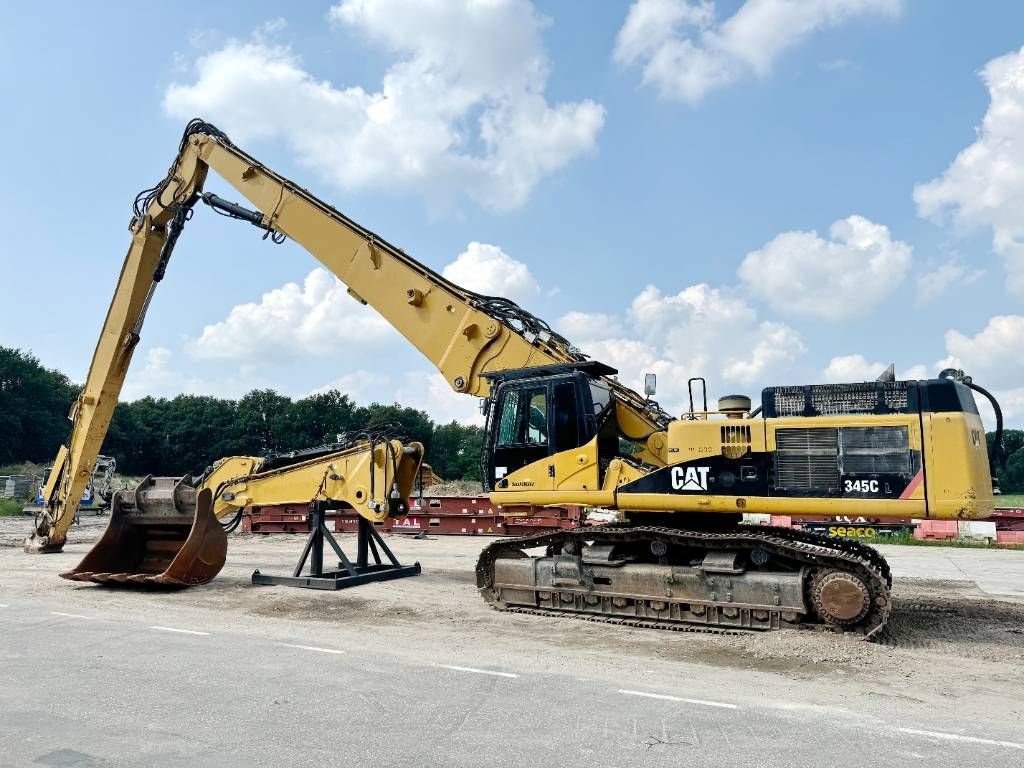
<point x="185" y="434"/>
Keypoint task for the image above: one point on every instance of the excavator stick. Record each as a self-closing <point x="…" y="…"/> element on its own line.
<point x="162" y="534"/>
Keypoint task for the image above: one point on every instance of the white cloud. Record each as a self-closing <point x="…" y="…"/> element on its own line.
<point x="994" y="356"/>
<point x="361" y="385"/>
<point x="686" y="53"/>
<point x="461" y="109"/>
<point x="489" y="270"/>
<point x="773" y="343"/>
<point x="934" y="283"/>
<point x="699" y="331"/>
<point x="577" y="326"/>
<point x="852" y="368"/>
<point x="428" y="391"/>
<point x="984" y="185"/>
<point x="1011" y="403"/>
<point x="155" y="378"/>
<point x="919" y="371"/>
<point x="846" y="368"/>
<point x="422" y="389"/>
<point x="316" y="319"/>
<point x="159" y="374"/>
<point x="801" y="273"/>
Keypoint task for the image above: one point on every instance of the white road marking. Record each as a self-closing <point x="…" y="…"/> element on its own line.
<point x="476" y="671"/>
<point x="70" y="615"/>
<point x="959" y="737"/>
<point x="310" y="648"/>
<point x="182" y="631"/>
<point x="665" y="697"/>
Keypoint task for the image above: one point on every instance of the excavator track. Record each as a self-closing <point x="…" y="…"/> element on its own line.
<point x="813" y="581"/>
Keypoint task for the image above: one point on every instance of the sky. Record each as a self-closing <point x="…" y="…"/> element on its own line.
<point x="761" y="193"/>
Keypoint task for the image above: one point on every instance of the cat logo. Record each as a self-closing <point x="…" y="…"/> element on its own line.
<point x="690" y="478"/>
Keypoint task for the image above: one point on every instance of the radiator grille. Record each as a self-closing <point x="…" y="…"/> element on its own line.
<point x="807" y="459"/>
<point x="875" y="450"/>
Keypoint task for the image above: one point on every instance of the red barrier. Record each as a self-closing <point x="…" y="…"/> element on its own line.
<point x="937" y="529"/>
<point x="442" y="515"/>
<point x="1009" y="538"/>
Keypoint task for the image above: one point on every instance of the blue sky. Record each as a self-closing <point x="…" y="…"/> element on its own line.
<point x="659" y="170"/>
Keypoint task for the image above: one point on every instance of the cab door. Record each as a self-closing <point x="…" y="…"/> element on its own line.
<point x="521" y="434"/>
<point x="534" y="419"/>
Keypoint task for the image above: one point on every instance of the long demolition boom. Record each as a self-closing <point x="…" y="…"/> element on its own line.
<point x="466" y="335"/>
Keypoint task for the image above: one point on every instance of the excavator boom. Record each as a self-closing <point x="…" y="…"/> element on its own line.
<point x="466" y="335"/>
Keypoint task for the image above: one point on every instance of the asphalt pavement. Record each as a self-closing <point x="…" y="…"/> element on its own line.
<point x="88" y="688"/>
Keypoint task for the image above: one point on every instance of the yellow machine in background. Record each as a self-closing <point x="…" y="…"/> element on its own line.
<point x="563" y="429"/>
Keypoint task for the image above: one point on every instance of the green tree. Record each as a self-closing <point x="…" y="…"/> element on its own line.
<point x="455" y="451"/>
<point x="405" y="423"/>
<point x="1011" y="478"/>
<point x="320" y="418"/>
<point x="184" y="434"/>
<point x="264" y="423"/>
<point x="34" y="405"/>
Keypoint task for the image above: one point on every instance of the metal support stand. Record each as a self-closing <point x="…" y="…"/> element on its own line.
<point x="347" y="575"/>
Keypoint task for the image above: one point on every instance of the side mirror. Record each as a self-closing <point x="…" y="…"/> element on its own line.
<point x="650" y="384"/>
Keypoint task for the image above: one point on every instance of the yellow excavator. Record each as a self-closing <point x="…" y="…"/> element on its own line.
<point x="561" y="428"/>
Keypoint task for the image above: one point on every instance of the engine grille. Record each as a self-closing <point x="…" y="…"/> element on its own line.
<point x="815" y="459"/>
<point x="807" y="459"/>
<point x="874" y="450"/>
<point x="735" y="440"/>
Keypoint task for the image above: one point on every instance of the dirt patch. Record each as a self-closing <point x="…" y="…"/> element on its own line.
<point x="955" y="622"/>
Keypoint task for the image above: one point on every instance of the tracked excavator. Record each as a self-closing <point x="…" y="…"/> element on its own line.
<point x="562" y="428"/>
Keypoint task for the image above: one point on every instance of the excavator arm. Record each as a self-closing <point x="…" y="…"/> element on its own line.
<point x="372" y="477"/>
<point x="466" y="335"/>
<point x="172" y="532"/>
<point x="155" y="228"/>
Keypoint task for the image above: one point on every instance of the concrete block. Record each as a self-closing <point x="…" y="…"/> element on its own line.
<point x="977" y="530"/>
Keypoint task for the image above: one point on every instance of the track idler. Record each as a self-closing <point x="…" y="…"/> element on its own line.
<point x="163" y="533"/>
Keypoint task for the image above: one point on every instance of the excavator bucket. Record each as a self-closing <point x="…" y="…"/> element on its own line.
<point x="162" y="533"/>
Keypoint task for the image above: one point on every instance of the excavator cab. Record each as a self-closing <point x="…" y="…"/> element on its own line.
<point x="537" y="412"/>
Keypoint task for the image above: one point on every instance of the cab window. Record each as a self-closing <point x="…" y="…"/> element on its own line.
<point x="524" y="417"/>
<point x="537" y="420"/>
<point x="567" y="433"/>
